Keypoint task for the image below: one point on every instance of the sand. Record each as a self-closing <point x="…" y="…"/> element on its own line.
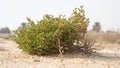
<point x="13" y="57"/>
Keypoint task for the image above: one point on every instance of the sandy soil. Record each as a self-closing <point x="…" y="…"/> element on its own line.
<point x="12" y="57"/>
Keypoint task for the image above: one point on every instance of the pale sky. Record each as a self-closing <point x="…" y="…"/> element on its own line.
<point x="14" y="12"/>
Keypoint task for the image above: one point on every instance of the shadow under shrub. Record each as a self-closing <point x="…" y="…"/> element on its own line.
<point x="48" y="34"/>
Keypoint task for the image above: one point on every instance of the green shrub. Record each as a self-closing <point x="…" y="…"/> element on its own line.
<point x="48" y="34"/>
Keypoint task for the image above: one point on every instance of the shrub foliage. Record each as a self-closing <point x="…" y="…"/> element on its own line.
<point x="48" y="34"/>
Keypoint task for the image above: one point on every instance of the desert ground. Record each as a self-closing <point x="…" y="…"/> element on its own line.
<point x="107" y="56"/>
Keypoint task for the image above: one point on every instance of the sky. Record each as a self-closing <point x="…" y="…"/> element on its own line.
<point x="14" y="12"/>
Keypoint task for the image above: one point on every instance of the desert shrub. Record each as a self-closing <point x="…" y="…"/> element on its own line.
<point x="51" y="32"/>
<point x="88" y="43"/>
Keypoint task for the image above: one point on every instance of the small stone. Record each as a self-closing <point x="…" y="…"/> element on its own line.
<point x="36" y="60"/>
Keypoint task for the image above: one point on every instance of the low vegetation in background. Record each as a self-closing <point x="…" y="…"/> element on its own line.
<point x="51" y="34"/>
<point x="110" y="37"/>
<point x="5" y="30"/>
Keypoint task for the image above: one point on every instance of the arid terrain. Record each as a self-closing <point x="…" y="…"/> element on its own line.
<point x="107" y="56"/>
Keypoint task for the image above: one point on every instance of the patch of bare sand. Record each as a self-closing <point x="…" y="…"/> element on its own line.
<point x="12" y="57"/>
